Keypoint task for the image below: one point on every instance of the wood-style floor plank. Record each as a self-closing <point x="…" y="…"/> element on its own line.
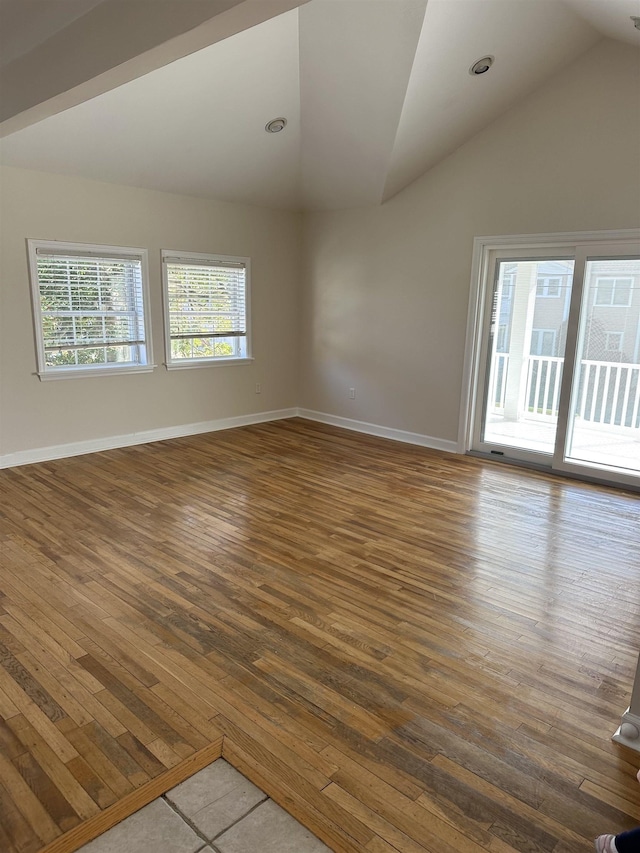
<point x="408" y="650"/>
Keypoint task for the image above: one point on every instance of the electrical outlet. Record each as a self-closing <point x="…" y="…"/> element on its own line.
<point x="352" y="393"/>
<point x="258" y="388"/>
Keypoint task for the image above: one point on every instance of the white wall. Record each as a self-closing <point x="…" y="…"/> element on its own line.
<point x="35" y="414"/>
<point x="387" y="288"/>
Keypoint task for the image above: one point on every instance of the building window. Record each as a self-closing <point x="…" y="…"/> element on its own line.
<point x="90" y="309"/>
<point x="206" y="301"/>
<point x="549" y="286"/>
<point x="508" y="280"/>
<point x="613" y="291"/>
<point x="613" y="341"/>
<point x="543" y="342"/>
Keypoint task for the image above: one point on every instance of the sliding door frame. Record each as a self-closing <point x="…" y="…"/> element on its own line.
<point x="579" y="245"/>
<point x="495" y="257"/>
<point x="569" y="390"/>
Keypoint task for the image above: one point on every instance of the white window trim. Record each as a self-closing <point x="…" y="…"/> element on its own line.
<point x="502" y="335"/>
<point x="607" y="338"/>
<point x="203" y="258"/>
<point x="542" y="287"/>
<point x="540" y="333"/>
<point x="613" y="304"/>
<point x="73" y="372"/>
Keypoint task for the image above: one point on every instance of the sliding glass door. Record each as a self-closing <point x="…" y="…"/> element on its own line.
<point x="526" y="352"/>
<point x="603" y="428"/>
<point x="557" y="374"/>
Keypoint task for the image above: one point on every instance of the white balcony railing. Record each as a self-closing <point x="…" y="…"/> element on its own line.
<point x="544" y="376"/>
<point x="498" y="382"/>
<point x="608" y="393"/>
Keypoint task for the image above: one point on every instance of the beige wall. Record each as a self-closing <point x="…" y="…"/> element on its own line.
<point x="35" y="414"/>
<point x="387" y="288"/>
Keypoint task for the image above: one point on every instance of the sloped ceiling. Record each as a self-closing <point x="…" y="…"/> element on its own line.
<point x="20" y="32"/>
<point x="375" y="92"/>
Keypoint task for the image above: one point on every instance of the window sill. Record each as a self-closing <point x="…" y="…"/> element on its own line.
<point x="207" y="362"/>
<point x="84" y="373"/>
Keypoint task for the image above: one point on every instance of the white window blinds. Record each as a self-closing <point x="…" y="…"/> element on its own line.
<point x="206" y="304"/>
<point x="90" y="308"/>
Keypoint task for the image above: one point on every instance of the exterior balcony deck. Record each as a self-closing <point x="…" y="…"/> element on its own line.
<point x="606" y="425"/>
<point x="593" y="443"/>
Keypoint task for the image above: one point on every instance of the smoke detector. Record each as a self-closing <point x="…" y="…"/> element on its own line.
<point x="481" y="66"/>
<point x="276" y="125"/>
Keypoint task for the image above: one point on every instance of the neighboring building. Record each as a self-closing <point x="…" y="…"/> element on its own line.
<point x="613" y="321"/>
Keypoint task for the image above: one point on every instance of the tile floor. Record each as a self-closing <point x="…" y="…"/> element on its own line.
<point x="217" y="810"/>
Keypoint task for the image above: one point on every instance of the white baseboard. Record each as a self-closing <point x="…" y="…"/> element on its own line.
<point x="381" y="431"/>
<point x="79" y="448"/>
<point x="628" y="732"/>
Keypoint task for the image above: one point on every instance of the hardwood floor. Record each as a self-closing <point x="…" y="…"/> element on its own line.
<point x="410" y="651"/>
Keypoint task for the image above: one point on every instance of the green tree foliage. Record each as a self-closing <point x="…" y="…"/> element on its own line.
<point x="201" y="300"/>
<point x="85" y="302"/>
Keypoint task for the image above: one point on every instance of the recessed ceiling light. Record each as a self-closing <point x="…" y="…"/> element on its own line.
<point x="276" y="125"/>
<point x="636" y="22"/>
<point x="481" y="66"/>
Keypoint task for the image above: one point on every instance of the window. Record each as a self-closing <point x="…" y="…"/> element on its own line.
<point x="548" y="286"/>
<point x="89" y="305"/>
<point x="206" y="309"/>
<point x="543" y="342"/>
<point x="613" y="341"/>
<point x="613" y="291"/>
<point x="508" y="279"/>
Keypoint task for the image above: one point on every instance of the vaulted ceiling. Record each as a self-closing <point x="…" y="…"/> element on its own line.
<point x="375" y="92"/>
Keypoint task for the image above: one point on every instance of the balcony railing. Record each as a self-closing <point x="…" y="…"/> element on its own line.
<point x="544" y="377"/>
<point x="498" y="382"/>
<point x="608" y="392"/>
